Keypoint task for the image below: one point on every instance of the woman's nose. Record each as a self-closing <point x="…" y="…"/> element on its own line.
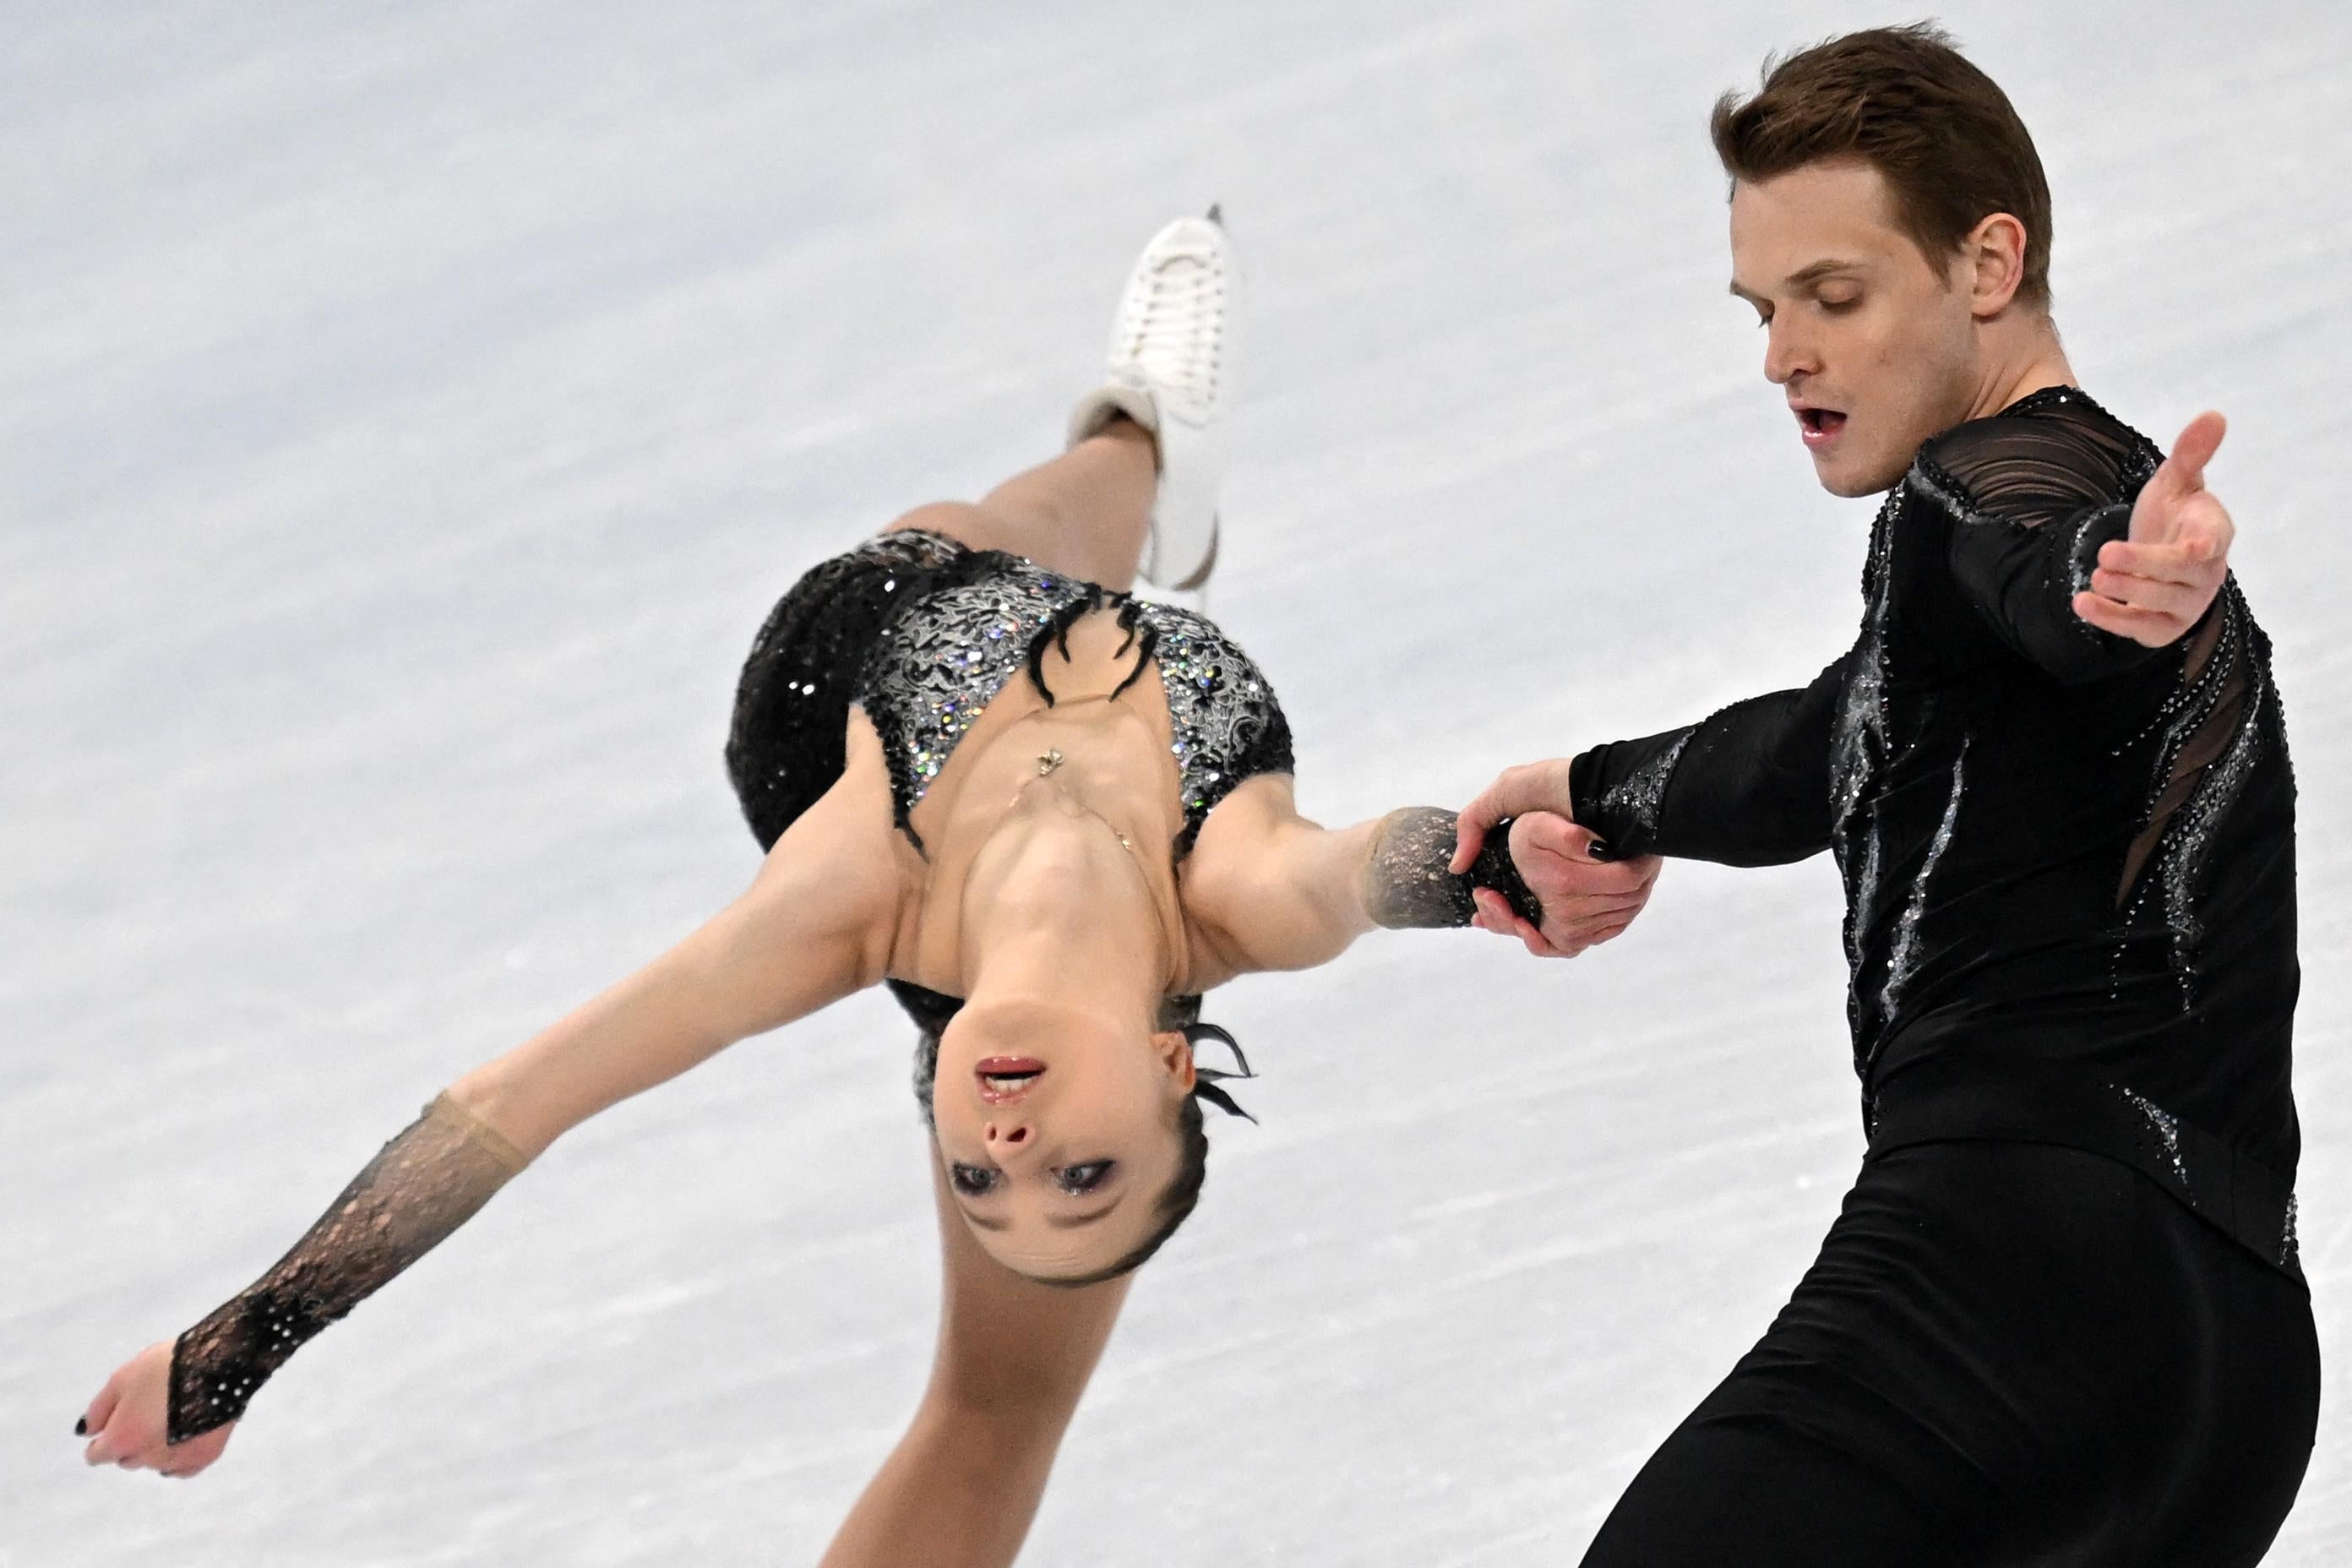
<point x="1008" y="1135"/>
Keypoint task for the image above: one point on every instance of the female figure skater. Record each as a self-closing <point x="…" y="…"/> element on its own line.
<point x="1050" y="816"/>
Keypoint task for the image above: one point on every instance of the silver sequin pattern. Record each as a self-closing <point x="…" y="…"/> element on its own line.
<point x="945" y="657"/>
<point x="1907" y="928"/>
<point x="1641" y="793"/>
<point x="2166" y="1129"/>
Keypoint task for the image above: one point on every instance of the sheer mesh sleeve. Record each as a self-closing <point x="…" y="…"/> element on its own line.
<point x="2032" y="500"/>
<point x="1749" y="786"/>
<point x="421" y="1186"/>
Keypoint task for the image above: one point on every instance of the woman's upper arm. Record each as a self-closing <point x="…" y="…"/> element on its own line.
<point x="1269" y="888"/>
<point x="812" y="927"/>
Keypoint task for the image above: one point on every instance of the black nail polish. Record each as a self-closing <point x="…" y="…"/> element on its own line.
<point x="82" y="1425"/>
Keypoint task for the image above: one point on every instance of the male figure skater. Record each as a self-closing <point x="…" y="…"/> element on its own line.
<point x="2060" y="1320"/>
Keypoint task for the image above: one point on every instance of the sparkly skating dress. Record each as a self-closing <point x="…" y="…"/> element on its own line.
<point x="2061" y="1318"/>
<point x="922" y="632"/>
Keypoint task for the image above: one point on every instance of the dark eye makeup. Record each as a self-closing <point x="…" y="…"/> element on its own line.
<point x="974" y="1181"/>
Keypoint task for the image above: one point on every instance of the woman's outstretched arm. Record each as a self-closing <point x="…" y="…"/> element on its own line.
<point x="1276" y="891"/>
<point x="1013" y="1356"/>
<point x="812" y="927"/>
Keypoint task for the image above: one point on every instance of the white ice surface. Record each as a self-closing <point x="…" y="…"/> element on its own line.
<point x="406" y="415"/>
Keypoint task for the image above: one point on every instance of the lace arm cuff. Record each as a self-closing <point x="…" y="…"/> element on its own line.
<point x="1407" y="885"/>
<point x="421" y="1186"/>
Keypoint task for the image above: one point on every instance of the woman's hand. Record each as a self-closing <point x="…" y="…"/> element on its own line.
<point x="1585" y="902"/>
<point x="125" y="1424"/>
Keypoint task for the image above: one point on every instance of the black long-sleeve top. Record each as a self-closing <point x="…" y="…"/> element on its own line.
<point x="2068" y="859"/>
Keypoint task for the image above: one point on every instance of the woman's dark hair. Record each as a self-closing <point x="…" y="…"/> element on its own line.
<point x="1183" y="1193"/>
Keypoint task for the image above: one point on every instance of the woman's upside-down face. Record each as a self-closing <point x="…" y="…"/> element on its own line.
<point x="1057" y="1129"/>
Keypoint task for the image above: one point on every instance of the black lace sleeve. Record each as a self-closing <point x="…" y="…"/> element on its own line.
<point x="1749" y="786"/>
<point x="2032" y="498"/>
<point x="421" y="1186"/>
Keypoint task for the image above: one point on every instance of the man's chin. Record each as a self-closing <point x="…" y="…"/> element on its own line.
<point x="1853" y="480"/>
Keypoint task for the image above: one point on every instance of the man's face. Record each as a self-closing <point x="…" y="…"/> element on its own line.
<point x="1875" y="348"/>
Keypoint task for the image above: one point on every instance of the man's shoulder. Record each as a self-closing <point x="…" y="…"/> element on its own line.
<point x="2048" y="456"/>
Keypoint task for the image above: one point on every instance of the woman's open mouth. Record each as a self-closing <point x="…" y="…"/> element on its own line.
<point x="1004" y="1080"/>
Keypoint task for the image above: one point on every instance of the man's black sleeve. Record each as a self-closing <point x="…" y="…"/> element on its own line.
<point x="2032" y="500"/>
<point x="1750" y="786"/>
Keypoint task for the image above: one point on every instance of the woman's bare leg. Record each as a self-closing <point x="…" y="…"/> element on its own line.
<point x="1013" y="1356"/>
<point x="1086" y="514"/>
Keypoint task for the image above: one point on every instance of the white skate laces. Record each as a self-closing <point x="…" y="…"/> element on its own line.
<point x="1169" y="369"/>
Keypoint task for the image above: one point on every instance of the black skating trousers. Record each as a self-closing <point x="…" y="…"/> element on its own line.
<point x="2006" y="1353"/>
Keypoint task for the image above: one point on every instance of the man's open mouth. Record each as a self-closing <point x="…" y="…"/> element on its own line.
<point x="1819" y="424"/>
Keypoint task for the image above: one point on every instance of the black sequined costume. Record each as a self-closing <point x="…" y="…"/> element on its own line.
<point x="2069" y="868"/>
<point x="922" y="632"/>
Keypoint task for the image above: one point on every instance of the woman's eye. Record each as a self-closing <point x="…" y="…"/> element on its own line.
<point x="1085" y="1178"/>
<point x="970" y="1180"/>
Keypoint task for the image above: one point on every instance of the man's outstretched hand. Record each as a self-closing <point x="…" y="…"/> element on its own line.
<point x="2156" y="584"/>
<point x="1585" y="901"/>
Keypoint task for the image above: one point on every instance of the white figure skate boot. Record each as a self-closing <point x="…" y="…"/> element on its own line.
<point x="1170" y="372"/>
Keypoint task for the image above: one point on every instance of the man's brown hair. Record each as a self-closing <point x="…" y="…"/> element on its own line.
<point x="1951" y="148"/>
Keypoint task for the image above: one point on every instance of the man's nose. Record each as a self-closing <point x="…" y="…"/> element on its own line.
<point x="1786" y="355"/>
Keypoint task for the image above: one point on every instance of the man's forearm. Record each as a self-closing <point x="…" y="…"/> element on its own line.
<point x="1747" y="786"/>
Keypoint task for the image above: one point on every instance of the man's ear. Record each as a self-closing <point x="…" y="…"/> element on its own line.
<point x="1994" y="257"/>
<point x="1175" y="1054"/>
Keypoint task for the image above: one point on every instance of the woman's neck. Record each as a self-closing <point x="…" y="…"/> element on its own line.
<point x="1056" y="904"/>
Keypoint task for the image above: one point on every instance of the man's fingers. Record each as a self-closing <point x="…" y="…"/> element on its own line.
<point x="2192" y="562"/>
<point x="2181" y="601"/>
<point x="2150" y="628"/>
<point x="1548" y="833"/>
<point x="1531" y="786"/>
<point x="2195" y="449"/>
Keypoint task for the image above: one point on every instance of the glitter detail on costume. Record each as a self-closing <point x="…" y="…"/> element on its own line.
<point x="944" y="658"/>
<point x="1227" y="726"/>
<point x="923" y="633"/>
<point x="421" y="1186"/>
<point x="1858" y="755"/>
<point x="1642" y="793"/>
<point x="2165" y="1128"/>
<point x="1905" y="952"/>
<point x="2189" y="842"/>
